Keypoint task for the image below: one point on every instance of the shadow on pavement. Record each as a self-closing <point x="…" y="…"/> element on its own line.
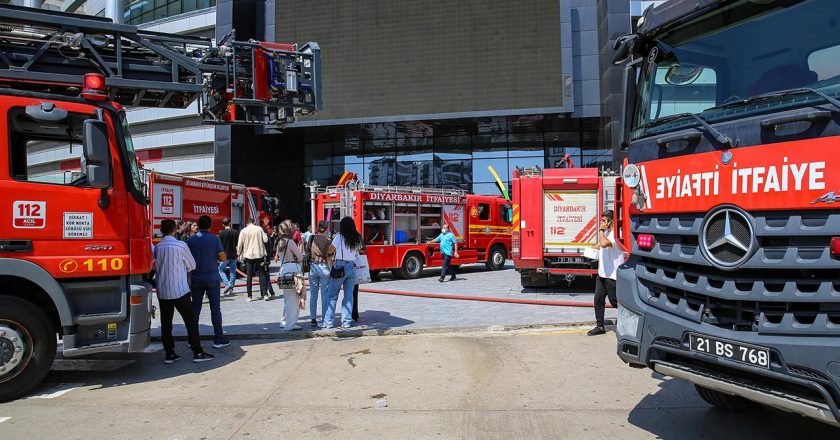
<point x="695" y="419"/>
<point x="106" y="370"/>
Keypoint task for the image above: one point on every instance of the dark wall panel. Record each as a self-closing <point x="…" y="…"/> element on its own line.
<point x="387" y="58"/>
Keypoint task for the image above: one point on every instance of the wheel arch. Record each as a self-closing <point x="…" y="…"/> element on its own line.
<point x="30" y="282"/>
<point x="411" y="252"/>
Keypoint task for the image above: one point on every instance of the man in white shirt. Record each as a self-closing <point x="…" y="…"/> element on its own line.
<point x="251" y="250"/>
<point x="173" y="261"/>
<point x="610" y="256"/>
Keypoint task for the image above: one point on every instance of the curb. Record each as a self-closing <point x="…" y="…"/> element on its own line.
<point x="351" y="333"/>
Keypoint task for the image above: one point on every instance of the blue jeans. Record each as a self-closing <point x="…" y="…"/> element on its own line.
<point x="319" y="283"/>
<point x="231" y="266"/>
<point x="347" y="282"/>
<point x="211" y="288"/>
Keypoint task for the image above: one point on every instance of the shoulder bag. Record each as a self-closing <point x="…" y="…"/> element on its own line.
<point x="288" y="270"/>
<point x="338" y="272"/>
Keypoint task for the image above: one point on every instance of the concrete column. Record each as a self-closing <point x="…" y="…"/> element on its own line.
<point x="115" y="10"/>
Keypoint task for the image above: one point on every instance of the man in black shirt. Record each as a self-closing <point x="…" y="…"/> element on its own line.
<point x="229" y="238"/>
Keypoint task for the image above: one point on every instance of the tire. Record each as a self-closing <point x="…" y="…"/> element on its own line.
<point x="35" y="335"/>
<point x="496" y="258"/>
<point x="374" y="274"/>
<point x="724" y="401"/>
<point x="412" y="266"/>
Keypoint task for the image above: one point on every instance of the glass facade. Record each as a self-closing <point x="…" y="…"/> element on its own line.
<point x="453" y="153"/>
<point x="143" y="11"/>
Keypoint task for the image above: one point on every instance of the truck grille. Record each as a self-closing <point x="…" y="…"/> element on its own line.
<point x="799" y="296"/>
<point x="785" y="240"/>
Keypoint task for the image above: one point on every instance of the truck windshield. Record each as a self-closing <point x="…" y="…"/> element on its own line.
<point x="131" y="156"/>
<point x="714" y="64"/>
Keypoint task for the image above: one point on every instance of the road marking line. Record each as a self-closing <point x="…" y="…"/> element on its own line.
<point x="152" y="348"/>
<point x="3" y="419"/>
<point x="558" y="332"/>
<point x="56" y="391"/>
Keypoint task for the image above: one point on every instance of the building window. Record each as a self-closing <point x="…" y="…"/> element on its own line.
<point x="144" y="11"/>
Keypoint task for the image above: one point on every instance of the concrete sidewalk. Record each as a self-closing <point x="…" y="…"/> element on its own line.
<point x="386" y="314"/>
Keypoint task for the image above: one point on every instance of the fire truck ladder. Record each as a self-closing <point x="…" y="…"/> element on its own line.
<point x="235" y="82"/>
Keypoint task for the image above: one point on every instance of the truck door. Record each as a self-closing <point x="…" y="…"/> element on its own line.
<point x="59" y="220"/>
<point x="481" y="221"/>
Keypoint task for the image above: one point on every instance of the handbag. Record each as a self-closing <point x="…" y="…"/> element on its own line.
<point x="307" y="258"/>
<point x="336" y="272"/>
<point x="362" y="269"/>
<point x="288" y="272"/>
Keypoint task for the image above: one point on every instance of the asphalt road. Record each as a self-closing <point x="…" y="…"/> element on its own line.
<point x="554" y="384"/>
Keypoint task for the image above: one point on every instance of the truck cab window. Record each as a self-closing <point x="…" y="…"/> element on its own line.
<point x="505" y="213"/>
<point x="34" y="143"/>
<point x="484" y="211"/>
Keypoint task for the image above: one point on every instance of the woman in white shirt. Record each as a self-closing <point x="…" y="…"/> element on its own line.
<point x="288" y="252"/>
<point x="610" y="256"/>
<point x="346" y="245"/>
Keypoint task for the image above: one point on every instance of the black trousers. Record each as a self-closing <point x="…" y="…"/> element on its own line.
<point x="447" y="267"/>
<point x="254" y="267"/>
<point x="604" y="288"/>
<point x="355" y="314"/>
<point x="185" y="309"/>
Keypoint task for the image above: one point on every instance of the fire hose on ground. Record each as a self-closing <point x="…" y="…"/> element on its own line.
<point x="538" y="302"/>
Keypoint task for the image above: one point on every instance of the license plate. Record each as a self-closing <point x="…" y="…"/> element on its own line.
<point x="571" y="260"/>
<point x="743" y="353"/>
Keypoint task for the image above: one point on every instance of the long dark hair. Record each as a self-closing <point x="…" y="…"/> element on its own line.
<point x="348" y="231"/>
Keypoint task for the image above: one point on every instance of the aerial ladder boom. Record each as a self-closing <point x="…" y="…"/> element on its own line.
<point x="235" y="82"/>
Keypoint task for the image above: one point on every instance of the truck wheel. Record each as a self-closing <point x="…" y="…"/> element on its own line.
<point x="412" y="266"/>
<point x="496" y="258"/>
<point x="27" y="347"/>
<point x="724" y="401"/>
<point x="374" y="274"/>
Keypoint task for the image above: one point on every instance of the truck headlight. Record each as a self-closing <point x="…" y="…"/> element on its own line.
<point x="628" y="323"/>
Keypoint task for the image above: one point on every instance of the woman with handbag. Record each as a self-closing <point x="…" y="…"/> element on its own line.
<point x="343" y="273"/>
<point x="290" y="277"/>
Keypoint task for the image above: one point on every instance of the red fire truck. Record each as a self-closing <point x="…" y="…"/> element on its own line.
<point x="187" y="198"/>
<point x="74" y="255"/>
<point x="397" y="222"/>
<point x="555" y="217"/>
<point x="731" y="128"/>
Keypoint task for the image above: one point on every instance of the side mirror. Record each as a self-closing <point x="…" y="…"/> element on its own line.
<point x="97" y="153"/>
<point x="629" y="104"/>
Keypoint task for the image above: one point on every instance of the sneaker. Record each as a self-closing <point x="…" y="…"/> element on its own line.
<point x="203" y="357"/>
<point x="224" y="343"/>
<point x="346" y="325"/>
<point x="228" y="291"/>
<point x="452" y="278"/>
<point x="598" y="330"/>
<point x="296" y="327"/>
<point x="440" y="280"/>
<point x="249" y="299"/>
<point x="313" y="321"/>
<point x="171" y="358"/>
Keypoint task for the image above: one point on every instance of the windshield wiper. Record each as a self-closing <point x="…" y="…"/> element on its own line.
<point x="780" y="93"/>
<point x="720" y="137"/>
